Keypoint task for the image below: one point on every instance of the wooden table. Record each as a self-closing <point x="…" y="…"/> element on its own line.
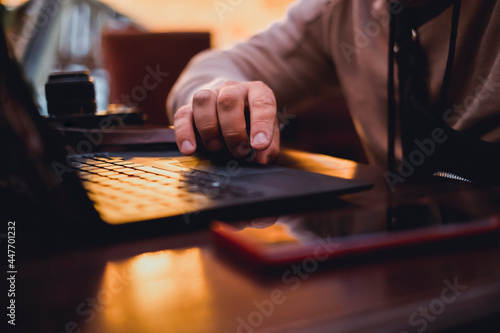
<point x="180" y="283"/>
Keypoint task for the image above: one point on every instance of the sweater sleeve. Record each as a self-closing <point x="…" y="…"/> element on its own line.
<point x="292" y="57"/>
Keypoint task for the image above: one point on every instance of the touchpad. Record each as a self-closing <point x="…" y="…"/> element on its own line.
<point x="232" y="167"/>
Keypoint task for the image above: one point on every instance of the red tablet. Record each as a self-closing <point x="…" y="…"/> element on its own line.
<point x="326" y="235"/>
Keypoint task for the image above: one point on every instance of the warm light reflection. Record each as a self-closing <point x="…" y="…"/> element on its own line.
<point x="327" y="165"/>
<point x="274" y="234"/>
<point x="153" y="289"/>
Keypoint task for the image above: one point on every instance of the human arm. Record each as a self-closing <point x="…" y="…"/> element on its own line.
<point x="277" y="68"/>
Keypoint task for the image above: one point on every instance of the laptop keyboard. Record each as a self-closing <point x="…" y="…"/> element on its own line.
<point x="126" y="191"/>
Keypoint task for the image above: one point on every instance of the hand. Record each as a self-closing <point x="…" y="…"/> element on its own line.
<point x="219" y="117"/>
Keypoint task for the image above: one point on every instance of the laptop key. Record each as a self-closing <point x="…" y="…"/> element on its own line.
<point x="124" y="163"/>
<point x="107" y="173"/>
<point x="168" y="182"/>
<point x="132" y="172"/>
<point x="160" y="172"/>
<point x="112" y="167"/>
<point x="117" y="176"/>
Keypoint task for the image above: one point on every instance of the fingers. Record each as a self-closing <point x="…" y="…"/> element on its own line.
<point x="206" y="119"/>
<point x="231" y="115"/>
<point x="272" y="151"/>
<point x="184" y="131"/>
<point x="262" y="104"/>
<point x="219" y="117"/>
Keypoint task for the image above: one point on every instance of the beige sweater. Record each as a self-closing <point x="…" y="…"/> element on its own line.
<point x="326" y="43"/>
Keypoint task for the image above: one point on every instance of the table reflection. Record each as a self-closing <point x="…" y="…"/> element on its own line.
<point x="168" y="284"/>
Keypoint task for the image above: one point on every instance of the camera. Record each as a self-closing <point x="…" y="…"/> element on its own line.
<point x="71" y="102"/>
<point x="70" y="93"/>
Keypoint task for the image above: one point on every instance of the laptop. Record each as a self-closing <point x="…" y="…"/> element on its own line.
<point x="131" y="187"/>
<point x="41" y="181"/>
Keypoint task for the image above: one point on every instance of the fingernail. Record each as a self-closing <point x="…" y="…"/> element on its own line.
<point x="186" y="146"/>
<point x="259" y="139"/>
<point x="214" y="145"/>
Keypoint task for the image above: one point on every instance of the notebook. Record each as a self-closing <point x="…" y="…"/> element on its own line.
<point x="128" y="187"/>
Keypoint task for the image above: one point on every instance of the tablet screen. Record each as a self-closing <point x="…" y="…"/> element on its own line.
<point x="290" y="237"/>
<point x="330" y="224"/>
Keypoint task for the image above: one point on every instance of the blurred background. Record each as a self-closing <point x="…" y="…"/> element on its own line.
<point x="227" y="20"/>
<point x="67" y="35"/>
